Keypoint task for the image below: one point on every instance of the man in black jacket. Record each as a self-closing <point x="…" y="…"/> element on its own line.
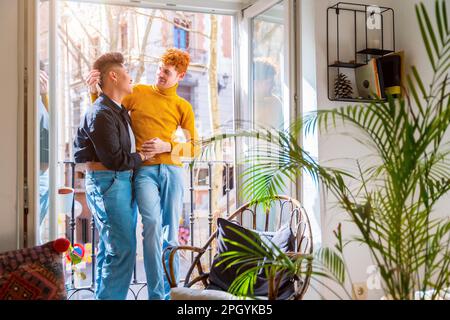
<point x="105" y="143"/>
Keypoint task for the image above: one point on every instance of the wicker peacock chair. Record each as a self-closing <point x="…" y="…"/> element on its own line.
<point x="289" y="211"/>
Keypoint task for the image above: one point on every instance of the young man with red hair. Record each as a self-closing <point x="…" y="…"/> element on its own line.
<point x="156" y="112"/>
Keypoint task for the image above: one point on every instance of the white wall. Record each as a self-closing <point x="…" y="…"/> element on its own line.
<point x="409" y="38"/>
<point x="345" y="149"/>
<point x="8" y="127"/>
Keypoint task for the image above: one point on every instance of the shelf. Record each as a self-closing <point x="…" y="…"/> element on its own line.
<point x="346" y="65"/>
<point x="350" y="46"/>
<point x="358" y="100"/>
<point x="356" y="7"/>
<point x="375" y="52"/>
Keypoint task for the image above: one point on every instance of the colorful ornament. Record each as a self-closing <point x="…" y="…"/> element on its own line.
<point x="76" y="253"/>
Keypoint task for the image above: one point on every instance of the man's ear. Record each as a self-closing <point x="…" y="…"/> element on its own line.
<point x="181" y="76"/>
<point x="112" y="75"/>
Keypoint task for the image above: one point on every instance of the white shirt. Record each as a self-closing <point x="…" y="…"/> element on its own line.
<point x="130" y="132"/>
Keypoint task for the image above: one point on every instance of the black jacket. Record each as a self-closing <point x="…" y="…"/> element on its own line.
<point x="103" y="137"/>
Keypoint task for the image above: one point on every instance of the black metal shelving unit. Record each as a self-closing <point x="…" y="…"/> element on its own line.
<point x="361" y="50"/>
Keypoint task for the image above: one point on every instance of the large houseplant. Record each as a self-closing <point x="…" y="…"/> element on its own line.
<point x="394" y="205"/>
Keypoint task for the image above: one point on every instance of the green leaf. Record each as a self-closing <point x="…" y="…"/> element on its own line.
<point x="425" y="38"/>
<point x="419" y="82"/>
<point x="439" y="21"/>
<point x="415" y="95"/>
<point x="430" y="28"/>
<point x="444" y="13"/>
<point x="332" y="262"/>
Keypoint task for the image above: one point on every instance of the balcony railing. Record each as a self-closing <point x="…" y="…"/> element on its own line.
<point x="194" y="185"/>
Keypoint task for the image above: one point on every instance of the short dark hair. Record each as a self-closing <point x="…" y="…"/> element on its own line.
<point x="106" y="61"/>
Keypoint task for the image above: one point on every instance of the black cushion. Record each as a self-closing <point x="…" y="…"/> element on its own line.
<point x="221" y="277"/>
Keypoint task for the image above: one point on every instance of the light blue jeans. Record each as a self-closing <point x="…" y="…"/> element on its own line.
<point x="43" y="195"/>
<point x="159" y="195"/>
<point x="109" y="196"/>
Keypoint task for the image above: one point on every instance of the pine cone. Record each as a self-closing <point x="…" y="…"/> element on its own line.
<point x="342" y="87"/>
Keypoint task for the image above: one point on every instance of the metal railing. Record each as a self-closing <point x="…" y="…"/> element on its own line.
<point x="136" y="286"/>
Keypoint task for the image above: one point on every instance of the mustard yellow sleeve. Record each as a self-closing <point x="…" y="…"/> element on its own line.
<point x="44" y="99"/>
<point x="129" y="100"/>
<point x="191" y="147"/>
<point x="93" y="96"/>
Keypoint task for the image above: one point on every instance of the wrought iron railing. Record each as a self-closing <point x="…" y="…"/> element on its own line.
<point x="137" y="286"/>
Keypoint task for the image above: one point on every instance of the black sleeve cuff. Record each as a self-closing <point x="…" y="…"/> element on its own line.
<point x="137" y="160"/>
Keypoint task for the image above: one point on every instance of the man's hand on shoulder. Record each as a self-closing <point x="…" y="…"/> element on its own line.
<point x="93" y="79"/>
<point x="43" y="83"/>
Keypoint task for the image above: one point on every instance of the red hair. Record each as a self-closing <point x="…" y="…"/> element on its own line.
<point x="177" y="58"/>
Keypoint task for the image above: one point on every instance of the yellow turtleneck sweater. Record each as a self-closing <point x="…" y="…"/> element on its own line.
<point x="157" y="113"/>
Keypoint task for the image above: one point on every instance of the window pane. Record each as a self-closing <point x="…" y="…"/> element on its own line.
<point x="270" y="111"/>
<point x="268" y="66"/>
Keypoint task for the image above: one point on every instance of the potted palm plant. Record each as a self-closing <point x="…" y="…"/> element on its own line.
<point x="394" y="205"/>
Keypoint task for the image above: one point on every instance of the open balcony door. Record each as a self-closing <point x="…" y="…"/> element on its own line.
<point x="268" y="71"/>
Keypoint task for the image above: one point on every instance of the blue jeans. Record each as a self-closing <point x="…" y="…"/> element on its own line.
<point x="43" y="195"/>
<point x="159" y="195"/>
<point x="109" y="196"/>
